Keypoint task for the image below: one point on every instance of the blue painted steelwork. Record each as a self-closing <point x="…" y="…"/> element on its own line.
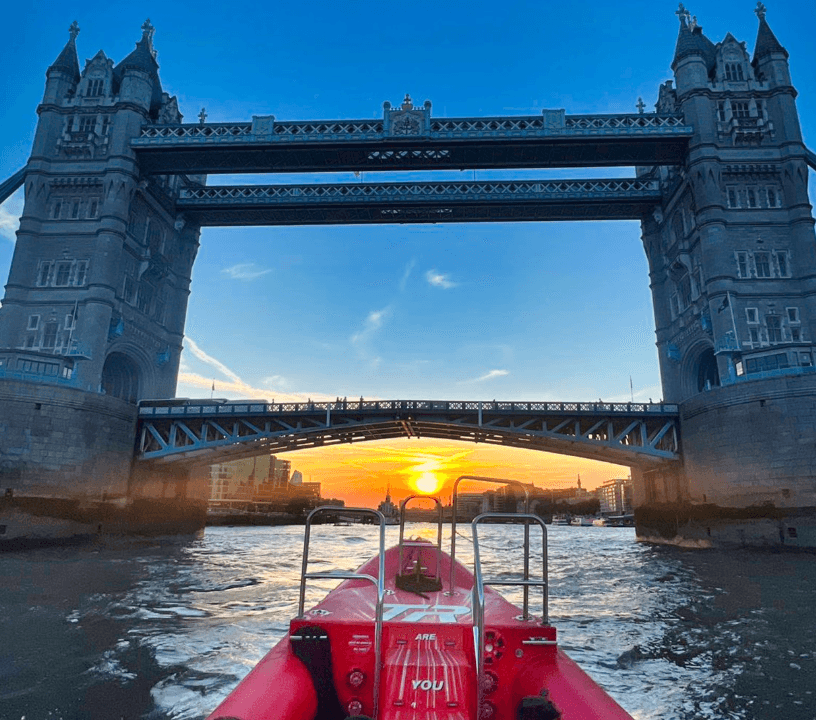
<point x="628" y="198"/>
<point x="199" y="431"/>
<point x="9" y="185"/>
<point x="409" y="138"/>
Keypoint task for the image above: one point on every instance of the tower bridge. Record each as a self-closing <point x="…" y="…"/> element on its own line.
<point x="116" y="195"/>
<point x="645" y="435"/>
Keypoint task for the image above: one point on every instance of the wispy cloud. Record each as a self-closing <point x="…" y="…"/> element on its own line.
<point x="490" y="375"/>
<point x="438" y="279"/>
<point x="211" y="361"/>
<point x="245" y="271"/>
<point x="233" y="386"/>
<point x="373" y="322"/>
<point x="409" y="268"/>
<point x="10" y="212"/>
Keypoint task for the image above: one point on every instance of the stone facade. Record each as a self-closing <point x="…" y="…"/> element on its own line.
<point x="94" y="311"/>
<point x="98" y="286"/>
<point x="732" y="261"/>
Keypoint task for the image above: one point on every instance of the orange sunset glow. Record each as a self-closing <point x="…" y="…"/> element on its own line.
<point x="359" y="474"/>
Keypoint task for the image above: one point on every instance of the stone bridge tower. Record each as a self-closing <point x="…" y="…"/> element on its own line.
<point x="98" y="287"/>
<point x="732" y="260"/>
<point x="94" y="310"/>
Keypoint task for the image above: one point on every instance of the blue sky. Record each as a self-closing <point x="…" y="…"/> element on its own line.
<point x="521" y="311"/>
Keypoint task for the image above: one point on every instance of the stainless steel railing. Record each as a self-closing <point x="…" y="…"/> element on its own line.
<point x="379" y="582"/>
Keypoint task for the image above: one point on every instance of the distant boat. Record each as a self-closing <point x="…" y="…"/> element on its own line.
<point x="582" y="521"/>
<point x="599" y="522"/>
<point x="560" y="520"/>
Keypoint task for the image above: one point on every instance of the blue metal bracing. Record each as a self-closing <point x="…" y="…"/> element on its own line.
<point x="195" y="432"/>
<point x="409" y="139"/>
<point x="420" y="202"/>
<point x="9" y="185"/>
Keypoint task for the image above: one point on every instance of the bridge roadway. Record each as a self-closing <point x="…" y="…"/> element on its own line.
<point x="410" y="139"/>
<point x="415" y="202"/>
<point x="196" y="432"/>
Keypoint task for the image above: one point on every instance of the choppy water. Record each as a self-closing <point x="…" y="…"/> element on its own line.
<point x="164" y="629"/>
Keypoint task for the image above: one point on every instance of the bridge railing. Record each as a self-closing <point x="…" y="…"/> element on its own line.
<point x="175" y="408"/>
<point x="439" y="128"/>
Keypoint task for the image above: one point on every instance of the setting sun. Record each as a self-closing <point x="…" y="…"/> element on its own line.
<point x="427" y="483"/>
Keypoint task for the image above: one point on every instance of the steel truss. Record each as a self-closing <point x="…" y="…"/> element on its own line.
<point x="633" y="434"/>
<point x="419" y="202"/>
<point x="551" y="139"/>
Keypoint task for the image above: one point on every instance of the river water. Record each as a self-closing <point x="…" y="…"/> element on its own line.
<point x="165" y="628"/>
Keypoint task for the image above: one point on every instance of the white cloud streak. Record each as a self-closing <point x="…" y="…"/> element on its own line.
<point x="409" y="268"/>
<point x="440" y="280"/>
<point x="245" y="271"/>
<point x="490" y="375"/>
<point x="373" y="322"/>
<point x="211" y="361"/>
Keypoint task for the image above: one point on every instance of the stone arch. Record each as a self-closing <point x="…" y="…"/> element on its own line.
<point x="699" y="369"/>
<point x="121" y="377"/>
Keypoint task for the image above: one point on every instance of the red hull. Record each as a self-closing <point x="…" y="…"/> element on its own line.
<point x="428" y="667"/>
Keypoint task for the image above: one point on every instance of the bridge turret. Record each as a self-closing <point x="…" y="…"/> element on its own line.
<point x="693" y="54"/>
<point x="63" y="75"/>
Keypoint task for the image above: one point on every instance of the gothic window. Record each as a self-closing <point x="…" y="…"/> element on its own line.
<point x="50" y="335"/>
<point x="793" y="314"/>
<point x="69" y="321"/>
<point x="733" y="72"/>
<point x="87" y="123"/>
<point x="145" y="297"/>
<point x="44" y="273"/>
<point x="772" y="197"/>
<point x="106" y="121"/>
<point x="63" y="274"/>
<point x="33" y="322"/>
<point x="754" y="332"/>
<point x="796" y="334"/>
<point x="684" y="291"/>
<point x="93" y="208"/>
<point x="740" y="109"/>
<point x="742" y="264"/>
<point x="782" y="265"/>
<point x="96" y="88"/>
<point x="55" y="213"/>
<point x="762" y="263"/>
<point x="75" y="210"/>
<point x="774" y="324"/>
<point x="158" y="313"/>
<point x="129" y="292"/>
<point x="733" y="197"/>
<point x="721" y="111"/>
<point x="752" y="197"/>
<point x="751" y="315"/>
<point x="81" y="273"/>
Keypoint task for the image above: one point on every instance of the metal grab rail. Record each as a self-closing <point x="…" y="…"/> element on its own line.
<point x="413" y="543"/>
<point x="379" y="583"/>
<point x="479" y="478"/>
<point x="479" y="582"/>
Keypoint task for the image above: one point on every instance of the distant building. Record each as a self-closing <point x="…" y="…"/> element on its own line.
<point x="616" y="497"/>
<point x="261" y="479"/>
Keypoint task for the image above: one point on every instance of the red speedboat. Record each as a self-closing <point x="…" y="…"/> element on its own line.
<point x="414" y="635"/>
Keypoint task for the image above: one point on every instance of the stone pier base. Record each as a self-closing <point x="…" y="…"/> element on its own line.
<point x="67" y="471"/>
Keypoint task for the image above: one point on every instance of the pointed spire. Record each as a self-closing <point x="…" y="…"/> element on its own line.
<point x="766" y="42"/>
<point x="143" y="56"/>
<point x="67" y="61"/>
<point x="690" y="39"/>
